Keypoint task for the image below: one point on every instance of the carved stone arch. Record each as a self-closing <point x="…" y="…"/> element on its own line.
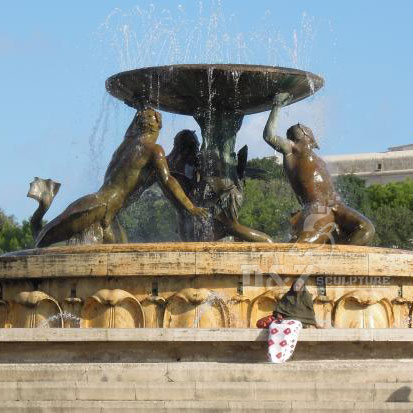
<point x="363" y="309"/>
<point x="262" y="306"/>
<point x="112" y="309"/>
<point x="196" y="308"/>
<point x="31" y="309"/>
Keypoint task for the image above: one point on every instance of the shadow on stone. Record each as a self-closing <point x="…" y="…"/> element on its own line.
<point x="400" y="395"/>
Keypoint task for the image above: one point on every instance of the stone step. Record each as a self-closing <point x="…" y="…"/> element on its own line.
<point x="170" y="345"/>
<point x="197" y="406"/>
<point x="206" y="391"/>
<point x="345" y="371"/>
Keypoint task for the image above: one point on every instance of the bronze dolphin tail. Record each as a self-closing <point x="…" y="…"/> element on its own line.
<point x="43" y="191"/>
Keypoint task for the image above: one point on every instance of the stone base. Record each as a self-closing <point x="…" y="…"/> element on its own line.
<point x="110" y="370"/>
<point x="310" y="386"/>
<point x="100" y="367"/>
<point x="202" y="285"/>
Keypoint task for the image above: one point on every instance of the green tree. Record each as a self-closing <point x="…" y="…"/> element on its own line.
<point x="389" y="207"/>
<point x="393" y="194"/>
<point x="394" y="226"/>
<point x="268" y="203"/>
<point x="353" y="191"/>
<point x="269" y="167"/>
<point x="151" y="219"/>
<point x="14" y="236"/>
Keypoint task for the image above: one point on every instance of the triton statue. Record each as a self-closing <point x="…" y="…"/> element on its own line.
<point x="183" y="162"/>
<point x="324" y="217"/>
<point x="132" y="164"/>
<point x="217" y="96"/>
<point x="224" y="197"/>
<point x="220" y="188"/>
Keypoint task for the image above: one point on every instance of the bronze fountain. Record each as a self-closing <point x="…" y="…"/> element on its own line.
<point x="218" y="97"/>
<point x="200" y="284"/>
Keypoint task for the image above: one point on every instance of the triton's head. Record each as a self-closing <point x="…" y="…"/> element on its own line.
<point x="148" y="119"/>
<point x="186" y="141"/>
<point x="145" y="120"/>
<point x="300" y="133"/>
<point x="184" y="155"/>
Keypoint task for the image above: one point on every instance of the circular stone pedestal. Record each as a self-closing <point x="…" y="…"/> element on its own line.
<point x="207" y="285"/>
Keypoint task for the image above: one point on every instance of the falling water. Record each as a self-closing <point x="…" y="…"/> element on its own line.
<point x="211" y="94"/>
<point x="310" y="82"/>
<point x="98" y="137"/>
<point x="59" y="318"/>
<point x="213" y="300"/>
<point x="149" y="35"/>
<point x="202" y="32"/>
<point x="236" y="75"/>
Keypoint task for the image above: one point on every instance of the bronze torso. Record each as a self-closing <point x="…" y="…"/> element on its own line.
<point x="309" y="177"/>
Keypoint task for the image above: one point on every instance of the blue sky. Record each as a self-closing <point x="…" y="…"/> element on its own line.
<point x="56" y="121"/>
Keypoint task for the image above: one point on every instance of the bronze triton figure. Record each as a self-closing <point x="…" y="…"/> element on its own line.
<point x="132" y="165"/>
<point x="225" y="197"/>
<point x="183" y="163"/>
<point x="324" y="216"/>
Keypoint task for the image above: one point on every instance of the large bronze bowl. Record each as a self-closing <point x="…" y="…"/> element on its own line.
<point x="188" y="89"/>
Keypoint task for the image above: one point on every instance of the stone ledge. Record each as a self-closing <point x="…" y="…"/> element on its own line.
<point x="195" y="345"/>
<point x="199" y="247"/>
<point x="176" y="335"/>
<point x="201" y="406"/>
<point x="205" y="259"/>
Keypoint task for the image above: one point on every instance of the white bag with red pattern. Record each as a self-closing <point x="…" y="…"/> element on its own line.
<point x="282" y="339"/>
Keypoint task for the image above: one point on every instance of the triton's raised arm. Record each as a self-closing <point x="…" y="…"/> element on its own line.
<point x="280" y="144"/>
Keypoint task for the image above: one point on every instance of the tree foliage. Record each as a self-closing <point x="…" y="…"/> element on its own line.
<point x="389" y="207"/>
<point x="268" y="203"/>
<point x="151" y="219"/>
<point x="394" y="195"/>
<point x="14" y="236"/>
<point x="271" y="169"/>
<point x="353" y="191"/>
<point x="394" y="226"/>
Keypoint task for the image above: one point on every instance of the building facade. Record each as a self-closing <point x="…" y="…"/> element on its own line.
<point x="375" y="168"/>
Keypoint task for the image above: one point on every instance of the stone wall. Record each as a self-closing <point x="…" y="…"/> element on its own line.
<point x="374" y="168"/>
<point x="201" y="285"/>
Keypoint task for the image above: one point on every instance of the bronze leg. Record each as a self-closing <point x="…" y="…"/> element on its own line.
<point x="241" y="231"/>
<point x="313" y="225"/>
